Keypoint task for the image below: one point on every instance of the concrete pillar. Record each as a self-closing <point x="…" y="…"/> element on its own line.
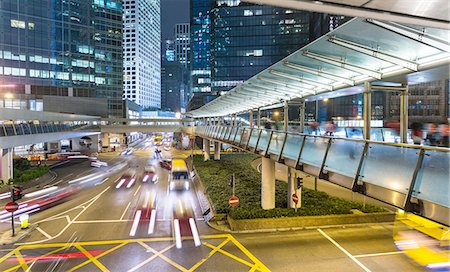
<point x="367" y="109"/>
<point x="317" y="111"/>
<point x="206" y="151"/>
<point x="6" y="164"/>
<point x="285" y="116"/>
<point x="302" y="116"/>
<point x="258" y="119"/>
<point x="70" y="91"/>
<point x="267" y="184"/>
<point x="404" y="115"/>
<point x="251" y="118"/>
<point x="217" y="146"/>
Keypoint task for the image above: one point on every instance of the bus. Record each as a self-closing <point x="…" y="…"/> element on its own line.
<point x="424" y="241"/>
<point x="179" y="176"/>
<point x="158" y="140"/>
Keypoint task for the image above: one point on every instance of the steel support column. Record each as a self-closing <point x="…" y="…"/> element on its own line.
<point x="258" y="119"/>
<point x="250" y="119"/>
<point x="367" y="109"/>
<point x="404" y="115"/>
<point x="302" y="116"/>
<point x="285" y="116"/>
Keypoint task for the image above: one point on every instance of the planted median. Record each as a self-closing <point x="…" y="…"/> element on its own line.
<point x="215" y="176"/>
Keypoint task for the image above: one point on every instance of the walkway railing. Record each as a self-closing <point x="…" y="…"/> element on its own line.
<point x="412" y="177"/>
<point x="28" y="129"/>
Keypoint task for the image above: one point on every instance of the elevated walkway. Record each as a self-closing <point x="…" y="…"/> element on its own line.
<point x="411" y="177"/>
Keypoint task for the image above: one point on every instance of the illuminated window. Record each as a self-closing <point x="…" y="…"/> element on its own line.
<point x="17" y="24"/>
<point x="31" y="26"/>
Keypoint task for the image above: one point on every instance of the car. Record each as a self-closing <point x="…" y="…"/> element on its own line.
<point x="166" y="164"/>
<point x="150" y="174"/>
<point x="98" y="163"/>
<point x="127" y="180"/>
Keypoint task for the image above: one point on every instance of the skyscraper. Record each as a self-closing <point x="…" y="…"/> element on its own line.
<point x="141" y="52"/>
<point x="182" y="43"/>
<point x="108" y="53"/>
<point x="201" y="45"/>
<point x="236" y="56"/>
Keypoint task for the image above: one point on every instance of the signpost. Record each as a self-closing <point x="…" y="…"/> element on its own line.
<point x="12" y="207"/>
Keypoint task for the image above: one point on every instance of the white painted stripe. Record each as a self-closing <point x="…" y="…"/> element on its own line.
<point x="137" y="217"/>
<point x="176" y="226"/>
<point x="131" y="183"/>
<point x="101" y="221"/>
<point x="194" y="232"/>
<point x="44" y="233"/>
<point x="5" y="195"/>
<point x="125" y="211"/>
<point x="343" y="250"/>
<point x="151" y="226"/>
<point x="120" y="183"/>
<point x="135" y="193"/>
<point x="378" y="254"/>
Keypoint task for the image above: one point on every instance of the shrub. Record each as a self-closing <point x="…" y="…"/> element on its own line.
<point x="215" y="176"/>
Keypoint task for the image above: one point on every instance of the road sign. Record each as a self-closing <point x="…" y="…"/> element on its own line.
<point x="11" y="206"/>
<point x="295" y="198"/>
<point x="233" y="201"/>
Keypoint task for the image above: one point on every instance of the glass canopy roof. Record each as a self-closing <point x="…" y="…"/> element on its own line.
<point x="358" y="51"/>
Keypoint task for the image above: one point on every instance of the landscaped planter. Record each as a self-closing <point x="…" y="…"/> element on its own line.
<point x="308" y="221"/>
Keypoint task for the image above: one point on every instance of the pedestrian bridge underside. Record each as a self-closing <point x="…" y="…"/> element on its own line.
<point x="411" y="177"/>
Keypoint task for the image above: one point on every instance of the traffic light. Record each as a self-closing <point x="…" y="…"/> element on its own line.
<point x="299" y="182"/>
<point x="16" y="193"/>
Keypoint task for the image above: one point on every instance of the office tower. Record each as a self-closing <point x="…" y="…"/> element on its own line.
<point x="108" y="53"/>
<point x="141" y="52"/>
<point x="182" y="43"/>
<point x="200" y="45"/>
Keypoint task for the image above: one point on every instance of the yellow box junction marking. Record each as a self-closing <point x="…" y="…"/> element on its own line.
<point x="257" y="265"/>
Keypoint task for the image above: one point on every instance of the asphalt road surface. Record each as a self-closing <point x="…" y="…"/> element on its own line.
<point x="101" y="226"/>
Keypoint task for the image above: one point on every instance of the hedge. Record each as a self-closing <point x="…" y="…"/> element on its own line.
<point x="215" y="176"/>
<point x="23" y="171"/>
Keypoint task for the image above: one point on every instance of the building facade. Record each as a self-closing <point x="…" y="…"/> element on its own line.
<point x="182" y="44"/>
<point x="108" y="53"/>
<point x="173" y="86"/>
<point x="44" y="51"/>
<point x="201" y="45"/>
<point x="141" y="52"/>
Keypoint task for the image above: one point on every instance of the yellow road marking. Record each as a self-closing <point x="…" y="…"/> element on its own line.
<point x="2" y="259"/>
<point x="169" y="261"/>
<point x="226" y="253"/>
<point x="261" y="266"/>
<point x="215" y="249"/>
<point x="22" y="262"/>
<point x="91" y="258"/>
<point x="253" y="268"/>
<point x="152" y="257"/>
<point x="98" y="256"/>
<point x="37" y="258"/>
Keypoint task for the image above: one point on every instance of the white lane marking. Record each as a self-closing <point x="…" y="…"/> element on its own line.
<point x="135" y="193"/>
<point x="44" y="233"/>
<point x="68" y="219"/>
<point x="176" y="226"/>
<point x="69" y="175"/>
<point x="378" y="254"/>
<point x="343" y="250"/>
<point x="120" y="183"/>
<point x="130" y="183"/>
<point x="5" y="195"/>
<point x="125" y="211"/>
<point x="101" y="182"/>
<point x="151" y="225"/>
<point x="194" y="232"/>
<point x="137" y="217"/>
<point x="101" y="221"/>
<point x="93" y="200"/>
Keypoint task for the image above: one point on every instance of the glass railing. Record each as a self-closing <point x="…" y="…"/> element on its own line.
<point x="395" y="167"/>
<point x="29" y="129"/>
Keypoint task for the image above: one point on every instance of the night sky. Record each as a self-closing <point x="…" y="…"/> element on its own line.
<point x="173" y="12"/>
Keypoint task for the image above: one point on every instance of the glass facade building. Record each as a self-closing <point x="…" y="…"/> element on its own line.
<point x="46" y="47"/>
<point x="142" y="52"/>
<point x="108" y="53"/>
<point x="201" y="45"/>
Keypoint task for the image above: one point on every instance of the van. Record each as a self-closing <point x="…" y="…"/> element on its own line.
<point x="179" y="176"/>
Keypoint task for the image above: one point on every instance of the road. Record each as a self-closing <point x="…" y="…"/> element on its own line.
<point x="96" y="229"/>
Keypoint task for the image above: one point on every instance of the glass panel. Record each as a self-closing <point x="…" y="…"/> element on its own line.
<point x="343" y="157"/>
<point x="223" y="133"/>
<point x="33" y="129"/>
<point x="9" y="130"/>
<point x="245" y="135"/>
<point x="264" y="140"/>
<point x="354" y="133"/>
<point x="340" y="132"/>
<point x="276" y="143"/>
<point x="432" y="182"/>
<point x="238" y="135"/>
<point x="2" y="132"/>
<point x="376" y="134"/>
<point x="213" y="132"/>
<point x="253" y="138"/>
<point x="389" y="166"/>
<point x="19" y="130"/>
<point x="26" y="129"/>
<point x="44" y="128"/>
<point x="292" y="146"/>
<point x="231" y="134"/>
<point x="314" y="150"/>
